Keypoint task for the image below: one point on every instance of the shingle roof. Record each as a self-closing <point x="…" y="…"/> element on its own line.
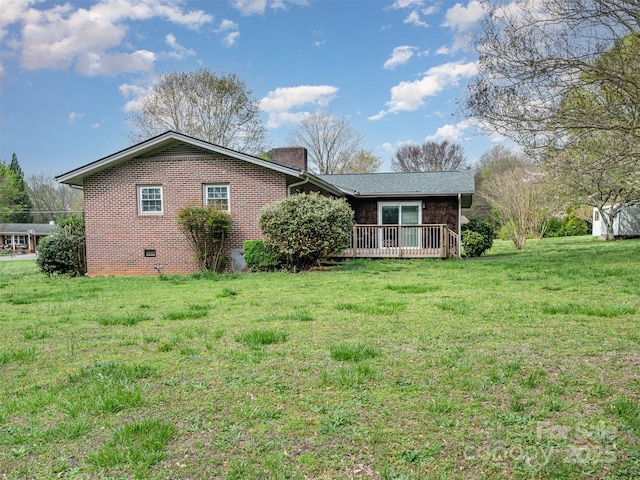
<point x="23" y="228"/>
<point x="414" y="183"/>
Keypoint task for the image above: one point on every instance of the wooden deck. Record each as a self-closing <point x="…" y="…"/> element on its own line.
<point x="402" y="241"/>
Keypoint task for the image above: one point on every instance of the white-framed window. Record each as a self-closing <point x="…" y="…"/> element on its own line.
<point x="217" y="196"/>
<point x="150" y="199"/>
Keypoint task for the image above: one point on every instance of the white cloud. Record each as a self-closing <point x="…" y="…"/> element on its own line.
<point x="461" y="18"/>
<point x="282" y="4"/>
<point x="258" y="7"/>
<point x="279" y="103"/>
<point x="250" y="7"/>
<point x="399" y="4"/>
<point x="231" y="39"/>
<point x="134" y="94"/>
<point x="229" y="29"/>
<point x="95" y="125"/>
<point x="94" y="64"/>
<point x="399" y="56"/>
<point x="89" y="38"/>
<point x="414" y="19"/>
<point x="73" y="116"/>
<point x="178" y="51"/>
<point x="417" y="11"/>
<point x="451" y="133"/>
<point x="409" y="96"/>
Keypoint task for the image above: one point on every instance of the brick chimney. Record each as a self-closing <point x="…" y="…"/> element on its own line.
<point x="293" y="156"/>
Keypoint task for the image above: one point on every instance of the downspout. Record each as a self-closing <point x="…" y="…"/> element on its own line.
<point x="459" y="225"/>
<point x="306" y="179"/>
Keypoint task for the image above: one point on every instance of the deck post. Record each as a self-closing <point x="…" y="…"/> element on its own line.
<point x="354" y="240"/>
<point x="445" y="244"/>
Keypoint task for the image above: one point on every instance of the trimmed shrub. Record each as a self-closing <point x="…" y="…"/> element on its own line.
<point x="472" y="243"/>
<point x="260" y="258"/>
<point x="307" y="227"/>
<point x="63" y="252"/>
<point x="206" y="229"/>
<point x="477" y="237"/>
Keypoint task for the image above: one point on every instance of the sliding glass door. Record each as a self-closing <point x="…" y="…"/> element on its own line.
<point x="405" y="215"/>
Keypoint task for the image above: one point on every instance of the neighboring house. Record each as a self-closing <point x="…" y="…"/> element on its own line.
<point x="132" y="199"/>
<point x="23" y="237"/>
<point x="625" y="224"/>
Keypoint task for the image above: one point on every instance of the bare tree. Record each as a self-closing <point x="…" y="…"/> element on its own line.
<point x="532" y="56"/>
<point x="429" y="157"/>
<point x="211" y="107"/>
<point x="52" y="200"/>
<point x="332" y="143"/>
<point x="522" y="197"/>
<point x="494" y="162"/>
<point x="561" y="78"/>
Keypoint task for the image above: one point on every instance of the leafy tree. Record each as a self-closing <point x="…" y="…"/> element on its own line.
<point x="332" y="144"/>
<point x="15" y="203"/>
<point x="562" y="79"/>
<point x="211" y="107"/>
<point x="364" y="161"/>
<point x="63" y="252"/>
<point x="206" y="229"/>
<point x="601" y="167"/>
<point x="307" y="227"/>
<point x="429" y="157"/>
<point x="52" y="200"/>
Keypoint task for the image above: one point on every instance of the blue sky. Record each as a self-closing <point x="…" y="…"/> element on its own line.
<point x="71" y="73"/>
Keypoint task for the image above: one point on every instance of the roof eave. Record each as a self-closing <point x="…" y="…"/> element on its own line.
<point x="331" y="188"/>
<point x="408" y="194"/>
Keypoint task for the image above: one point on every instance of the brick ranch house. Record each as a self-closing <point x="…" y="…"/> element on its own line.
<point x="132" y="199"/>
<point x="23" y="237"/>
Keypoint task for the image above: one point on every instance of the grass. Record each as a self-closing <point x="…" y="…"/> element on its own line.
<point x="354" y="352"/>
<point x="512" y="365"/>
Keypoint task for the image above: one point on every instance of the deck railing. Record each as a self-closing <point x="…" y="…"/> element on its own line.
<point x="408" y="241"/>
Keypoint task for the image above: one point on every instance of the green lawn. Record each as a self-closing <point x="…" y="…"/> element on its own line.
<point x="516" y="364"/>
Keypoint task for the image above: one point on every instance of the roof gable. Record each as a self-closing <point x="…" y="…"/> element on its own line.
<point x="173" y="144"/>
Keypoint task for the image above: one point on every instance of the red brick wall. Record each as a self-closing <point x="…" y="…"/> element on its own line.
<point x="117" y="235"/>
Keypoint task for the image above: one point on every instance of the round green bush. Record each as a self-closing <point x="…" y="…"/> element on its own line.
<point x="472" y="243"/>
<point x="476" y="245"/>
<point x="307" y="227"/>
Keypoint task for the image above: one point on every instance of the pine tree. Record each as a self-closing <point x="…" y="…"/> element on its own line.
<point x="15" y="203"/>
